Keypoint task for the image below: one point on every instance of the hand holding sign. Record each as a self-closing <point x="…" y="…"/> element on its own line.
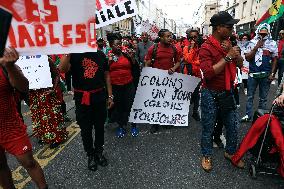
<point x="49" y="26"/>
<point x="9" y="58"/>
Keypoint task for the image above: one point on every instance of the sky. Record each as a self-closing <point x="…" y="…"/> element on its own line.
<point x="177" y="9"/>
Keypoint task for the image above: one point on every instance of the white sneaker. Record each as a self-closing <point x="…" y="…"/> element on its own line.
<point x="246" y="91"/>
<point x="245" y="119"/>
<point x="273" y="82"/>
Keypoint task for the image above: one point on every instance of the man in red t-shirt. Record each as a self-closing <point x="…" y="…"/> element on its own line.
<point x="166" y="57"/>
<point x="218" y="60"/>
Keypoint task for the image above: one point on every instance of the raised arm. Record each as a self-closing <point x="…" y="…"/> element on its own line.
<point x="16" y="77"/>
<point x="64" y="65"/>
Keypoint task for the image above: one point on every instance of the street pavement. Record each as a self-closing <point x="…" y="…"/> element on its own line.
<point x="169" y="159"/>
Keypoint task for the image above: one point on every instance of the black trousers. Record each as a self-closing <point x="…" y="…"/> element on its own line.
<point x="195" y="98"/>
<point x="89" y="117"/>
<point x="68" y="80"/>
<point x="123" y="100"/>
<point x="245" y="82"/>
<point x="236" y="95"/>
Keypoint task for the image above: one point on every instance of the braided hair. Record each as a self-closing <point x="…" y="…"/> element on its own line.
<point x="111" y="37"/>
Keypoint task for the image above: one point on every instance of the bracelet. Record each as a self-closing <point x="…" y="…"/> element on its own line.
<point x="228" y="59"/>
<point x="111" y="97"/>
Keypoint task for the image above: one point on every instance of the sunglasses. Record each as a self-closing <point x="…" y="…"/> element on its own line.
<point x="193" y="37"/>
<point x="263" y="34"/>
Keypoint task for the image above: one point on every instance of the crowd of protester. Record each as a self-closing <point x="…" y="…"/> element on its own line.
<point x="104" y="85"/>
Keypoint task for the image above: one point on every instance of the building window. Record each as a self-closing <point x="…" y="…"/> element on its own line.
<point x="228" y="4"/>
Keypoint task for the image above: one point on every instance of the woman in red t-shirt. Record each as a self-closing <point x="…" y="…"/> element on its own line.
<point x="13" y="135"/>
<point x="120" y="69"/>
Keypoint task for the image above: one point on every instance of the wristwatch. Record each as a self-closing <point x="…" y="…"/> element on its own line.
<point x="228" y="59"/>
<point x="111" y="97"/>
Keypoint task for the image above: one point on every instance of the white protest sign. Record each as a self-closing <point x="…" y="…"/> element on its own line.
<point x="36" y="69"/>
<point x="52" y="27"/>
<point x="145" y="26"/>
<point x="162" y="98"/>
<point x="151" y="29"/>
<point x="137" y="21"/>
<point x="245" y="70"/>
<point x="153" y="32"/>
<point x="111" y="11"/>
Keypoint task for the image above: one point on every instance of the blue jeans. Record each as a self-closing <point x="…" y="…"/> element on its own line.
<point x="208" y="119"/>
<point x="264" y="86"/>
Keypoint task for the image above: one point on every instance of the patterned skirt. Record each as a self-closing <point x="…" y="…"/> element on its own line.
<point x="47" y="117"/>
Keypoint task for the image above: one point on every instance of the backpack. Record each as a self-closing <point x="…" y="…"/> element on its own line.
<point x="154" y="54"/>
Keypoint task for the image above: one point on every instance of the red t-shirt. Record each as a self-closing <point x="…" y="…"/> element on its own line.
<point x="165" y="57"/>
<point x="179" y="49"/>
<point x="209" y="56"/>
<point x="120" y="71"/>
<point x="12" y="126"/>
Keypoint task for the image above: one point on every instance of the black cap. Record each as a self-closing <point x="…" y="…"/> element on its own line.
<point x="223" y="17"/>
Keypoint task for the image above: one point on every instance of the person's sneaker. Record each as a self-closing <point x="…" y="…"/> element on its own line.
<point x="241" y="163"/>
<point x="134" y="131"/>
<point x="245" y="91"/>
<point x="92" y="164"/>
<point x="206" y="164"/>
<point x="154" y="129"/>
<point x="196" y="116"/>
<point x="246" y="118"/>
<point x="120" y="132"/>
<point x="100" y="159"/>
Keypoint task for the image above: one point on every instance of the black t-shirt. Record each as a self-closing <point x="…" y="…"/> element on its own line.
<point x="88" y="71"/>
